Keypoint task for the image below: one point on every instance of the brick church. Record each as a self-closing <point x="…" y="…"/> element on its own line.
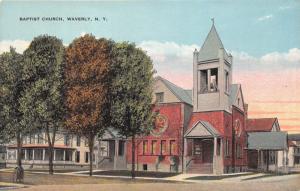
<point x="200" y="130"/>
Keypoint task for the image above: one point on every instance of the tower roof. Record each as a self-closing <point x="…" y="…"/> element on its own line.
<point x="211" y="45"/>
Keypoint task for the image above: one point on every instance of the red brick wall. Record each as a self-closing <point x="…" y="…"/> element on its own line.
<point x="242" y="139"/>
<point x="174" y="113"/>
<point x="222" y="121"/>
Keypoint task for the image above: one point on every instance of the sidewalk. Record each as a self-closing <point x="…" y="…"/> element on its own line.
<point x="196" y="178"/>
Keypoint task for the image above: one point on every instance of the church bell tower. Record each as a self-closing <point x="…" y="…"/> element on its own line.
<point x="212" y="75"/>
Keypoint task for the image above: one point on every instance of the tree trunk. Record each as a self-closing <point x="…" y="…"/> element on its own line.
<point x="133" y="156"/>
<point x="91" y="148"/>
<point x="51" y="148"/>
<point x="19" y="149"/>
<point x="51" y="153"/>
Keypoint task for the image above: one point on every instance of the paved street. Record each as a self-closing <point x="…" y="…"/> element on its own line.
<point x="76" y="181"/>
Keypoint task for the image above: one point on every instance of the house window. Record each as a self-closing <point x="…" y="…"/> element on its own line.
<point x="78" y="141"/>
<point x="30" y="154"/>
<point x="172" y="147"/>
<point x="272" y="157"/>
<point x="159" y="97"/>
<point x="31" y="139"/>
<point x="153" y="147"/>
<point x="77" y="158"/>
<point x="227" y="148"/>
<point x="226" y="81"/>
<point x="213" y="86"/>
<point x="145" y="147"/>
<point x="238" y="150"/>
<point x="87" y="157"/>
<point x="67" y="140"/>
<point x="68" y="155"/>
<point x="121" y="148"/>
<point x="39" y="138"/>
<point x="203" y="81"/>
<point x="163" y="147"/>
<point x="86" y="143"/>
<point x="38" y="154"/>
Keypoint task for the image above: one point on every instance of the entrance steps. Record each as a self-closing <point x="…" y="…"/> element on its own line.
<point x="200" y="168"/>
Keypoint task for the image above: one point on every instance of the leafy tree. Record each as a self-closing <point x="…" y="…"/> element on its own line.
<point x="42" y="103"/>
<point x="131" y="90"/>
<point x="11" y="89"/>
<point x="87" y="80"/>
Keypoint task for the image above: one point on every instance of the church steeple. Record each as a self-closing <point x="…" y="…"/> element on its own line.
<point x="212" y="69"/>
<point x="211" y="46"/>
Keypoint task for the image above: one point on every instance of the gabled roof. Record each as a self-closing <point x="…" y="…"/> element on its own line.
<point x="267" y="140"/>
<point x="261" y="124"/>
<point x="234" y="90"/>
<point x="211" y="45"/>
<point x="110" y="133"/>
<point x="202" y="129"/>
<point x="181" y="94"/>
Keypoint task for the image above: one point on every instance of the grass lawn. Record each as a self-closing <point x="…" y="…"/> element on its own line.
<point x="138" y="173"/>
<point x="45" y="179"/>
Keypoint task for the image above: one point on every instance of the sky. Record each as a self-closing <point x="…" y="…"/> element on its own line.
<point x="262" y="35"/>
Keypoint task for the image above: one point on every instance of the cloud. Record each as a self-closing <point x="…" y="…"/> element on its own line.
<point x="82" y="34"/>
<point x="19" y="45"/>
<point x="171" y="60"/>
<point x="284" y="7"/>
<point x="276" y="60"/>
<point x="264" y="18"/>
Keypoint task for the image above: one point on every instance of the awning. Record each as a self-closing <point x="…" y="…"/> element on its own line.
<point x="267" y="141"/>
<point x="202" y="129"/>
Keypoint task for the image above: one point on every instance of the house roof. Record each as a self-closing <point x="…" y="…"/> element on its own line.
<point x="41" y="146"/>
<point x="110" y="134"/>
<point x="294" y="137"/>
<point x="262" y="124"/>
<point x="267" y="140"/>
<point x="234" y="90"/>
<point x="183" y="95"/>
<point x="211" y="45"/>
<point x="202" y="129"/>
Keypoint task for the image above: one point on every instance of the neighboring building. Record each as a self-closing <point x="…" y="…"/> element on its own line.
<point x="267" y="145"/>
<point x="2" y="156"/>
<point x="70" y="151"/>
<point x="294" y="151"/>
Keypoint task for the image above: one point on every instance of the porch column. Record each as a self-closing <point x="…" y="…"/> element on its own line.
<point x="25" y="154"/>
<point x="54" y="154"/>
<point x="221" y="163"/>
<point x="185" y="148"/>
<point x="208" y="80"/>
<point x="43" y="154"/>
<point x="215" y="156"/>
<point x="215" y="146"/>
<point x="276" y="161"/>
<point x="116" y="153"/>
<point x="33" y="154"/>
<point x="64" y="155"/>
<point x="262" y="159"/>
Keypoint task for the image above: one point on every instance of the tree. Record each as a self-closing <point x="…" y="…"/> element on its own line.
<point x="42" y="103"/>
<point x="131" y="90"/>
<point x="11" y="90"/>
<point x="87" y="82"/>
